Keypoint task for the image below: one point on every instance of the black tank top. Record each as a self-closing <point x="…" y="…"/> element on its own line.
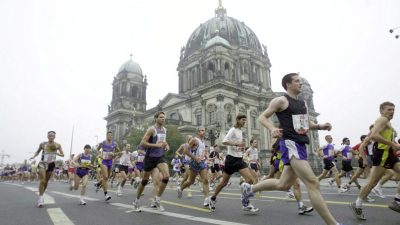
<point x="295" y="107"/>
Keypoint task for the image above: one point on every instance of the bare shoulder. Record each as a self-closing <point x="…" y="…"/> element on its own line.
<point x="279" y="103"/>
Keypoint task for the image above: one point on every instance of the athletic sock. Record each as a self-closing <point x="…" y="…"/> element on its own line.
<point x="359" y="202"/>
<point x="300" y="204"/>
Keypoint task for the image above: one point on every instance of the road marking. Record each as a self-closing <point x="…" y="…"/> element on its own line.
<point x="185" y="206"/>
<point x="258" y="199"/>
<point x="180" y="216"/>
<point x="58" y="217"/>
<point x="75" y="196"/>
<point x="47" y="198"/>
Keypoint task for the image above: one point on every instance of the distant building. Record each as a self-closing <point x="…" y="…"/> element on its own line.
<point x="223" y="70"/>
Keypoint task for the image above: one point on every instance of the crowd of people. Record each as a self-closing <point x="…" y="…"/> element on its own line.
<point x="195" y="162"/>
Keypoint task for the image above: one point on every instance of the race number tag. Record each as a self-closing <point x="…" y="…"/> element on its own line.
<point x="49" y="157"/>
<point x="300" y="123"/>
<point x="161" y="138"/>
<point x="86" y="162"/>
<point x="107" y="155"/>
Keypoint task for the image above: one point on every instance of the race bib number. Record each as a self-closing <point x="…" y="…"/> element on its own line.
<point x="300" y="123"/>
<point x="49" y="157"/>
<point x="140" y="158"/>
<point x="161" y="138"/>
<point x="85" y="163"/>
<point x="349" y="155"/>
<point x="107" y="155"/>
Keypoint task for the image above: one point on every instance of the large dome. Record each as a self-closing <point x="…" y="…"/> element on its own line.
<point x="236" y="33"/>
<point x="131" y="67"/>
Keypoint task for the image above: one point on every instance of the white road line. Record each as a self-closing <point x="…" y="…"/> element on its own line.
<point x="58" y="217"/>
<point x="47" y="198"/>
<point x="238" y="198"/>
<point x="180" y="216"/>
<point x="75" y="196"/>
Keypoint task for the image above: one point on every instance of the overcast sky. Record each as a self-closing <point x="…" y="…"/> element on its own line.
<point x="58" y="59"/>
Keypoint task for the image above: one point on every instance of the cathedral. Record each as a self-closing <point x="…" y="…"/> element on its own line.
<point x="223" y="70"/>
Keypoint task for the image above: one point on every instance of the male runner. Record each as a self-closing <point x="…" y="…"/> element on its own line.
<point x="154" y="140"/>
<point x="83" y="163"/>
<point x="50" y="149"/>
<point x="294" y="123"/>
<point x="384" y="157"/>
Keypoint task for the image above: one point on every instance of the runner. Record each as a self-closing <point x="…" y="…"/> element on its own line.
<point x="155" y="143"/>
<point x="234" y="162"/>
<point x="328" y="153"/>
<point x="185" y="161"/>
<point x="252" y="153"/>
<point x="71" y="172"/>
<point x="138" y="156"/>
<point x="215" y="159"/>
<point x="109" y="148"/>
<point x="176" y="167"/>
<point x="50" y="149"/>
<point x="384" y="157"/>
<point x="294" y="123"/>
<point x="83" y="163"/>
<point x="347" y="154"/>
<point x="196" y="151"/>
<point x="124" y="164"/>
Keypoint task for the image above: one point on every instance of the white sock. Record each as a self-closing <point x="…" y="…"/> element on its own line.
<point x="300" y="204"/>
<point x="81" y="198"/>
<point x="359" y="202"/>
<point x="157" y="198"/>
<point x="379" y="186"/>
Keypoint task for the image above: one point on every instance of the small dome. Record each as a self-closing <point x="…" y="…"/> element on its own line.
<point x="131" y="67"/>
<point x="217" y="40"/>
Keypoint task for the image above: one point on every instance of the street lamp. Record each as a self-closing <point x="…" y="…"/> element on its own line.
<point x="213" y="133"/>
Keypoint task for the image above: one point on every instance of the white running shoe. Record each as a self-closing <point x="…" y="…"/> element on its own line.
<point x="330" y="183"/>
<point x="211" y="204"/>
<point x="82" y="202"/>
<point x="206" y="203"/>
<point x="368" y="199"/>
<point x="290" y="195"/>
<point x="378" y="192"/>
<point x="342" y="189"/>
<point x="250" y="208"/>
<point x="159" y="206"/>
<point x="180" y="193"/>
<point x="40" y="202"/>
<point x="303" y="210"/>
<point x="136" y="205"/>
<point x="107" y="197"/>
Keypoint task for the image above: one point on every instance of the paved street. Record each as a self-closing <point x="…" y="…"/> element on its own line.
<point x="18" y="207"/>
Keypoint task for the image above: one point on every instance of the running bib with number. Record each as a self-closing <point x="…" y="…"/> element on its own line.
<point x="161" y="137"/>
<point x="85" y="162"/>
<point x="140" y="158"/>
<point x="49" y="157"/>
<point x="300" y="123"/>
<point x="107" y="155"/>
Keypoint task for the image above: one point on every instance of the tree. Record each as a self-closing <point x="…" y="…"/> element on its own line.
<point x="174" y="139"/>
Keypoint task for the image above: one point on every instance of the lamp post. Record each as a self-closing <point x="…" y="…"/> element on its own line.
<point x="213" y="133"/>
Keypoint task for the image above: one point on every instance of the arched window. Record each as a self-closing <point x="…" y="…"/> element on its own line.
<point x="174" y="116"/>
<point x="134" y="92"/>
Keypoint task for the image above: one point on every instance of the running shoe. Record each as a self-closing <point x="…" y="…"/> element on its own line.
<point x="304" y="209"/>
<point x="180" y="193"/>
<point x="206" y="203"/>
<point x="250" y="208"/>
<point x="212" y="204"/>
<point x="136" y="184"/>
<point x="378" y="192"/>
<point x="159" y="206"/>
<point x="290" y="195"/>
<point x="153" y="204"/>
<point x="40" y="202"/>
<point x="358" y="212"/>
<point x="82" y="202"/>
<point x="330" y="183"/>
<point x="342" y="189"/>
<point x="395" y="206"/>
<point x="368" y="199"/>
<point x="107" y="197"/>
<point x="136" y="205"/>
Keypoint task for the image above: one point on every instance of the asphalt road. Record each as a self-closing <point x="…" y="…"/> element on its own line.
<point x="18" y="207"/>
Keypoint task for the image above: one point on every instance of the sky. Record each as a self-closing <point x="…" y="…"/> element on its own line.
<point x="58" y="59"/>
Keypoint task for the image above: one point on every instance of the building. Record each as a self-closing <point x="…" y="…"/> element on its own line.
<point x="223" y="70"/>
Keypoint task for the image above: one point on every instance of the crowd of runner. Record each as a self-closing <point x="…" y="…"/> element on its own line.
<point x="194" y="162"/>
